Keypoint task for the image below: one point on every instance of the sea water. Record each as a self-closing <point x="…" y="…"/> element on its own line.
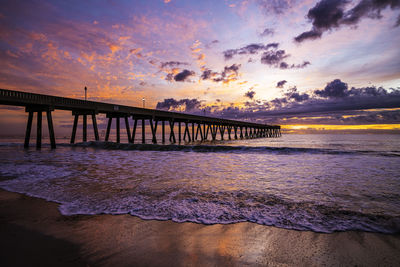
<point x="322" y="183"/>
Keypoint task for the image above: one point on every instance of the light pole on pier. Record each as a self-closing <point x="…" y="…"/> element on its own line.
<point x="143" y="99"/>
<point x="85" y="93"/>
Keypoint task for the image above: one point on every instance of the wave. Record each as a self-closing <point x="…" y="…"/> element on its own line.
<point x="204" y="148"/>
<point x="226" y="208"/>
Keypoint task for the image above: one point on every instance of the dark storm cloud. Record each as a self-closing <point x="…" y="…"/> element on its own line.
<point x="183" y="76"/>
<point x="171" y="103"/>
<point x="267" y="32"/>
<point x="250" y="49"/>
<point x="280" y="84"/>
<point x="228" y="74"/>
<point x="250" y="94"/>
<point x="172" y="64"/>
<point x="329" y="14"/>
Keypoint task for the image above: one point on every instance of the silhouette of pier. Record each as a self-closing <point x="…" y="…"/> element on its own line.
<point x="201" y="126"/>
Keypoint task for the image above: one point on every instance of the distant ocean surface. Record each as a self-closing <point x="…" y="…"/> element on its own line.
<point x="322" y="183"/>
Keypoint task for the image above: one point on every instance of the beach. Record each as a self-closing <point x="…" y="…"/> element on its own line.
<point x="34" y="233"/>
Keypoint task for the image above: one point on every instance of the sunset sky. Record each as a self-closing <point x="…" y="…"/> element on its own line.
<point x="290" y="62"/>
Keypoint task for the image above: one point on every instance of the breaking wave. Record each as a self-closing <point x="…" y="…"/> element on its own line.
<point x="204" y="148"/>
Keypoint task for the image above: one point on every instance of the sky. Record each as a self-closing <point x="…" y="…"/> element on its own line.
<point x="302" y="64"/>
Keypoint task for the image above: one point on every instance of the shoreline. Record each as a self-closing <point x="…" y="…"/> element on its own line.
<point x="34" y="232"/>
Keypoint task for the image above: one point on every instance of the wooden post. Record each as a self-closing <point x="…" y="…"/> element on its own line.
<point x="84" y="128"/>
<point x="201" y="132"/>
<point x="235" y="129"/>
<point x="186" y="132"/>
<point x="222" y="131"/>
<point x="39" y="130"/>
<point x="197" y="132"/>
<point x="192" y="131"/>
<point x="108" y="128"/>
<point x="95" y="129"/>
<point x="213" y="132"/>
<point x="179" y="132"/>
<point x="172" y="134"/>
<point x="28" y="129"/>
<point x="74" y="129"/>
<point x="143" y="132"/>
<point x="153" y="130"/>
<point x="163" y="131"/>
<point x="118" y="130"/>
<point x="128" y="129"/>
<point x="229" y="128"/>
<point x="134" y="131"/>
<point x="241" y="132"/>
<point x="51" y="129"/>
<point x="204" y="132"/>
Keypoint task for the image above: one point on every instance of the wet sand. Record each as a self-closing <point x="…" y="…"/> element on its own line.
<point x="34" y="233"/>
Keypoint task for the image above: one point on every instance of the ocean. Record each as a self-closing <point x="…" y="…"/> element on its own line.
<point x="321" y="182"/>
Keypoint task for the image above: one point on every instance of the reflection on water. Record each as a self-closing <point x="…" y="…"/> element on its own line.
<point x="318" y="182"/>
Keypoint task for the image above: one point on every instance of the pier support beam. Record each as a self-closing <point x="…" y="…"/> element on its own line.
<point x="222" y="131"/>
<point x="153" y="130"/>
<point x="163" y="131"/>
<point x="117" y="117"/>
<point x="179" y="132"/>
<point x="28" y="129"/>
<point x="229" y="129"/>
<point x="172" y="138"/>
<point x="84" y="113"/>
<point x="134" y="130"/>
<point x="193" y="131"/>
<point x="186" y="132"/>
<point x="39" y="110"/>
<point x="143" y="131"/>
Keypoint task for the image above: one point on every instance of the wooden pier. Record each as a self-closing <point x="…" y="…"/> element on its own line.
<point x="202" y="127"/>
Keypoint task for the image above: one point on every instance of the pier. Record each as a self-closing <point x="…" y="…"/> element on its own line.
<point x="177" y="124"/>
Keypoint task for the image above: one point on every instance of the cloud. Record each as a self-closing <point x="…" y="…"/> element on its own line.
<point x="228" y="74"/>
<point x="267" y="32"/>
<point x="250" y="94"/>
<point x="334" y="104"/>
<point x="172" y="64"/>
<point x="182" y="104"/>
<point x="280" y="84"/>
<point x="270" y="55"/>
<point x="330" y="14"/>
<point x="183" y="76"/>
<point x="273" y="57"/>
<point x="283" y="65"/>
<point x="250" y="49"/>
<point x="275" y="6"/>
<point x="211" y="44"/>
<point x="292" y="94"/>
<point x="336" y="88"/>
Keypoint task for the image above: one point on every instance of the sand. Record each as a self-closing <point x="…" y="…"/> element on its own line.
<point x="34" y="233"/>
